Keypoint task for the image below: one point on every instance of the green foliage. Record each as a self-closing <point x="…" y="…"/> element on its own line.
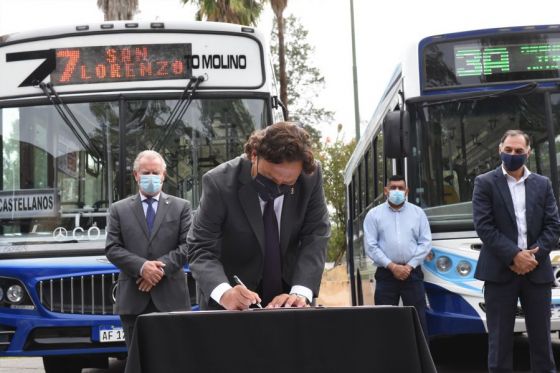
<point x="118" y="9"/>
<point x="337" y="244"/>
<point x="304" y="80"/>
<point x="242" y="12"/>
<point x="333" y="157"/>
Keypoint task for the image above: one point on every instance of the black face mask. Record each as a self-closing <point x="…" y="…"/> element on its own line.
<point x="268" y="189"/>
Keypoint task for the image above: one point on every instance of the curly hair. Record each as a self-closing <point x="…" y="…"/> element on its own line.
<point x="282" y="142"/>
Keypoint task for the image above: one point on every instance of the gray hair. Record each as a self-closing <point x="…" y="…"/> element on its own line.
<point x="151" y="154"/>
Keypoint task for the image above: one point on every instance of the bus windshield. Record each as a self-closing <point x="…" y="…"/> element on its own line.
<point x="457" y="141"/>
<point x="58" y="179"/>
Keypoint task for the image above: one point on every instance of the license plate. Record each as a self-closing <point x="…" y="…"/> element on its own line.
<point x="112" y="334"/>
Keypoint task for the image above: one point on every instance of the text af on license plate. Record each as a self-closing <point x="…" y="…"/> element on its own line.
<point x="111" y="334"/>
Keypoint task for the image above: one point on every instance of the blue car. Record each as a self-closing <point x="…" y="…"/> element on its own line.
<point x="59" y="305"/>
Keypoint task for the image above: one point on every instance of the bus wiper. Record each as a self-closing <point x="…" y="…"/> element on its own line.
<point x="70" y="119"/>
<point x="522" y="90"/>
<point x="178" y="111"/>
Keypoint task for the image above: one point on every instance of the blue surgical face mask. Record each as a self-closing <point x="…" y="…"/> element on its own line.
<point x="150" y="184"/>
<point x="396" y="197"/>
<point x="513" y="162"/>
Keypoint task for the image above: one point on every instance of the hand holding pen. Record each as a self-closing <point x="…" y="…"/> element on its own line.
<point x="239" y="297"/>
<point x="239" y="282"/>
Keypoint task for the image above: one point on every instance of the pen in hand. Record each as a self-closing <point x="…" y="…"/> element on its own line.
<point x="239" y="282"/>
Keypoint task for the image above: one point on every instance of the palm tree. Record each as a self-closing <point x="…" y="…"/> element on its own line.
<point x="246" y="12"/>
<point x="278" y="7"/>
<point x="118" y="9"/>
<point x="241" y="12"/>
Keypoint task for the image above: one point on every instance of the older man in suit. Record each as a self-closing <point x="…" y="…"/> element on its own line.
<point x="146" y="240"/>
<point x="263" y="218"/>
<point x="516" y="217"/>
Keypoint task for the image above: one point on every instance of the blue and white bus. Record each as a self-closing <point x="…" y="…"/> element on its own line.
<point x="439" y="123"/>
<point x="77" y="104"/>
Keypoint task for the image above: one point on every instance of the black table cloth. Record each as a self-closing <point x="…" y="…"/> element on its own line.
<point x="350" y="339"/>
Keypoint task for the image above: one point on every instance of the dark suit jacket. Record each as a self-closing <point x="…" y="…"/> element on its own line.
<point x="494" y="221"/>
<point x="128" y="247"/>
<point x="227" y="234"/>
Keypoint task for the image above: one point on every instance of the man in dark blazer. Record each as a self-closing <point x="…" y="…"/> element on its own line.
<point x="516" y="217"/>
<point x="276" y="179"/>
<point x="149" y="247"/>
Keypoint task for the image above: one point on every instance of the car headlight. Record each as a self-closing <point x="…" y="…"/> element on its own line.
<point x="443" y="263"/>
<point x="464" y="268"/>
<point x="15" y="293"/>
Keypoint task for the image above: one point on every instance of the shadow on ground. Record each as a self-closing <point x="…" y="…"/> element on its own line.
<point x="468" y="353"/>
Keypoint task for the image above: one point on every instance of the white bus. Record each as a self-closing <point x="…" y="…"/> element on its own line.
<point x="438" y="124"/>
<point x="77" y="104"/>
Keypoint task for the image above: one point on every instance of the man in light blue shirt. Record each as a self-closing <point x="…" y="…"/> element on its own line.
<point x="397" y="238"/>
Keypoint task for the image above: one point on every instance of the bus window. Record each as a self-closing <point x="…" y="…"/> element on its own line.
<point x="363" y="186"/>
<point x="370" y="171"/>
<point x="461" y="142"/>
<point x="356" y="188"/>
<point x="379" y="168"/>
<point x="49" y="179"/>
<point x="210" y="132"/>
<point x="555" y="102"/>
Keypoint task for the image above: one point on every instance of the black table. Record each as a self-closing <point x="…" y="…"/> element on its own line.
<point x="341" y="340"/>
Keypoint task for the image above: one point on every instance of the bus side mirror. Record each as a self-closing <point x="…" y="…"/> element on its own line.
<point x="396" y="130"/>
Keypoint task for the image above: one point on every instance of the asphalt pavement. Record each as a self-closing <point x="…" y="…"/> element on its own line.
<point x="35" y="365"/>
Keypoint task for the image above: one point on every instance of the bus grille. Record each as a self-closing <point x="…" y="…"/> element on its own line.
<point x="86" y="295"/>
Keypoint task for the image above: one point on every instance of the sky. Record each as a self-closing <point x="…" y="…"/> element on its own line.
<point x="382" y="30"/>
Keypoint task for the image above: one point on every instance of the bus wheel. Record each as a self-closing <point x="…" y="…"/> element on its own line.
<point x="62" y="364"/>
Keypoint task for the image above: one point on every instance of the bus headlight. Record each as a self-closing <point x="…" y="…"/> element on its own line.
<point x="464" y="268"/>
<point x="557" y="276"/>
<point x="443" y="263"/>
<point x="15" y="293"/>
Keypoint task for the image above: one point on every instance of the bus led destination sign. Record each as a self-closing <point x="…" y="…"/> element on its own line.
<point x="479" y="60"/>
<point x="496" y="58"/>
<point x="164" y="61"/>
<point x="103" y="64"/>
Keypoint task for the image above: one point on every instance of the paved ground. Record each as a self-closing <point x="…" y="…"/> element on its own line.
<point x="468" y="353"/>
<point x="35" y="365"/>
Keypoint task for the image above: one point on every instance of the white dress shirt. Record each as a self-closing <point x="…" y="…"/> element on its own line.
<point x="517" y="190"/>
<point x="296" y="289"/>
